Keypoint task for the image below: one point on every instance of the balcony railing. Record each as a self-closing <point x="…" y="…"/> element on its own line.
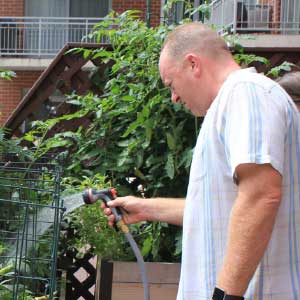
<point x="246" y="16"/>
<point x="42" y="37"/>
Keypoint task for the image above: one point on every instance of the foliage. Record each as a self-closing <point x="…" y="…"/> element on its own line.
<point x="6" y="289"/>
<point x="275" y="71"/>
<point x="13" y="145"/>
<point x="6" y="74"/>
<point x="189" y="9"/>
<point x="136" y="139"/>
<point x="135" y="131"/>
<point x="246" y="59"/>
<point x="87" y="230"/>
<point x="136" y="136"/>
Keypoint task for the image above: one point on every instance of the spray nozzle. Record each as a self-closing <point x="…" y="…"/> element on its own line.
<point x="91" y="196"/>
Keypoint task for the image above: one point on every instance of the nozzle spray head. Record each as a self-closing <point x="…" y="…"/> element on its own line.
<point x="91" y="196"/>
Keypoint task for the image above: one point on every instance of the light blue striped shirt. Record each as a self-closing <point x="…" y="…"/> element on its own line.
<point x="252" y="120"/>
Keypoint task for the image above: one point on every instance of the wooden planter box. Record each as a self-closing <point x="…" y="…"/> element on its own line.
<point x="122" y="281"/>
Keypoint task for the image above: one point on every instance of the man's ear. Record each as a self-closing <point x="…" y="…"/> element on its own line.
<point x="194" y="63"/>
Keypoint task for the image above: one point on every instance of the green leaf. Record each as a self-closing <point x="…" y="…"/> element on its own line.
<point x="170" y="168"/>
<point x="147" y="246"/>
<point x="171" y="141"/>
<point x="247" y="59"/>
<point x="285" y="66"/>
<point x="149" y="131"/>
<point x="132" y="127"/>
<point x="86" y="53"/>
<point x="7" y="75"/>
<point x="55" y="143"/>
<point x="186" y="159"/>
<point x="128" y="98"/>
<point x="6" y="269"/>
<point x="125" y="143"/>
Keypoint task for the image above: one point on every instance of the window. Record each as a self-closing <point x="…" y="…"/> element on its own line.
<point x="49" y="34"/>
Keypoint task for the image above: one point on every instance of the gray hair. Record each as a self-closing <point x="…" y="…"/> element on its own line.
<point x="194" y="37"/>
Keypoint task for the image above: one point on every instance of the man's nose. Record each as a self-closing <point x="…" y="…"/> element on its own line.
<point x="175" y="98"/>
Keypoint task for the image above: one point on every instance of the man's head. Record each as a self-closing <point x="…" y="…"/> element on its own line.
<point x="189" y="64"/>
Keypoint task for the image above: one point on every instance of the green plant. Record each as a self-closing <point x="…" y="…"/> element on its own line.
<point x="275" y="71"/>
<point x="135" y="131"/>
<point x="6" y="289"/>
<point x="189" y="9"/>
<point x="136" y="137"/>
<point x="6" y="74"/>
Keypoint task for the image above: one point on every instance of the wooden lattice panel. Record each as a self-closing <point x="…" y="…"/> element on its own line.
<point x="81" y="278"/>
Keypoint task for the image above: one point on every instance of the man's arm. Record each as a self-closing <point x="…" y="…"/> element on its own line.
<point x="169" y="210"/>
<point x="251" y="224"/>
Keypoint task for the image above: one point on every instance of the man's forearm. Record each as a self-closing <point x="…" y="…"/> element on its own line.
<point x="169" y="210"/>
<point x="250" y="229"/>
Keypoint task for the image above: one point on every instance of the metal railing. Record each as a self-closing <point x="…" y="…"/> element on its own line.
<point x="249" y="16"/>
<point x="41" y="36"/>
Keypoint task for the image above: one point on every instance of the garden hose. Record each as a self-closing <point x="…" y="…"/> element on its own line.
<point x="90" y="196"/>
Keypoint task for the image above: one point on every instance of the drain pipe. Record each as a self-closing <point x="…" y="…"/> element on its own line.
<point x="148" y="13"/>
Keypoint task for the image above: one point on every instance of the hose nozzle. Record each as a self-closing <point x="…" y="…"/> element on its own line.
<point x="90" y="196"/>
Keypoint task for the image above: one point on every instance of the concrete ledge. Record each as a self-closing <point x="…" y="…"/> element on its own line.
<point x="30" y="64"/>
<point x="273" y="41"/>
<point x="24" y="64"/>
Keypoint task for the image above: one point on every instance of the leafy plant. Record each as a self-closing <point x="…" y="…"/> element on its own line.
<point x="135" y="131"/>
<point x="6" y="74"/>
<point x="285" y="66"/>
<point x="246" y="59"/>
<point x="135" y="140"/>
<point x="136" y="137"/>
<point x="189" y="9"/>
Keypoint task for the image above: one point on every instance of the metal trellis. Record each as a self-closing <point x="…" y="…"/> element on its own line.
<point x="30" y="214"/>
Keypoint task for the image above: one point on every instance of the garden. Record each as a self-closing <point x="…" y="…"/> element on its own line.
<point x="134" y="140"/>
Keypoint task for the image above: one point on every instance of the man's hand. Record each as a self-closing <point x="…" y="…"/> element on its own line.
<point x="134" y="209"/>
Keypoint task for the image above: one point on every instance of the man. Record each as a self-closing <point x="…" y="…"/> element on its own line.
<point x="241" y="216"/>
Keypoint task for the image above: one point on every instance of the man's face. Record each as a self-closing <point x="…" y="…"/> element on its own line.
<point x="183" y="83"/>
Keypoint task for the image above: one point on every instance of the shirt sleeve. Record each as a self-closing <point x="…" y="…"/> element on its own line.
<point x="253" y="127"/>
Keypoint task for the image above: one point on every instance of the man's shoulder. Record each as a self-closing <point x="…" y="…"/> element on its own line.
<point x="250" y="76"/>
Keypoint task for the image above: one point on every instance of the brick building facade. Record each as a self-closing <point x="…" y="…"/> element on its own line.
<point x="11" y="8"/>
<point x="29" y="68"/>
<point x="11" y="92"/>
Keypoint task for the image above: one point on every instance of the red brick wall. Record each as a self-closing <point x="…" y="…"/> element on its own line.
<point x="275" y="13"/>
<point x="11" y="92"/>
<point x="122" y="5"/>
<point x="14" y="8"/>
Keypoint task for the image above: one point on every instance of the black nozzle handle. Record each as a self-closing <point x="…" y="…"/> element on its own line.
<point x="115" y="210"/>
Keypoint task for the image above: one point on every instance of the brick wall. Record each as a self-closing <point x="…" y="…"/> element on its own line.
<point x="122" y="5"/>
<point x="11" y="8"/>
<point x="275" y="11"/>
<point x="11" y="92"/>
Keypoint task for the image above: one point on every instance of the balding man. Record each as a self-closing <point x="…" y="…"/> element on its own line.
<point x="241" y="215"/>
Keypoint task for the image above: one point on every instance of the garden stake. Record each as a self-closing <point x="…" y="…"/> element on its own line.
<point x="90" y="196"/>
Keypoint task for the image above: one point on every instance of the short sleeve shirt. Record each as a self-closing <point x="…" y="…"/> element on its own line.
<point x="252" y="120"/>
